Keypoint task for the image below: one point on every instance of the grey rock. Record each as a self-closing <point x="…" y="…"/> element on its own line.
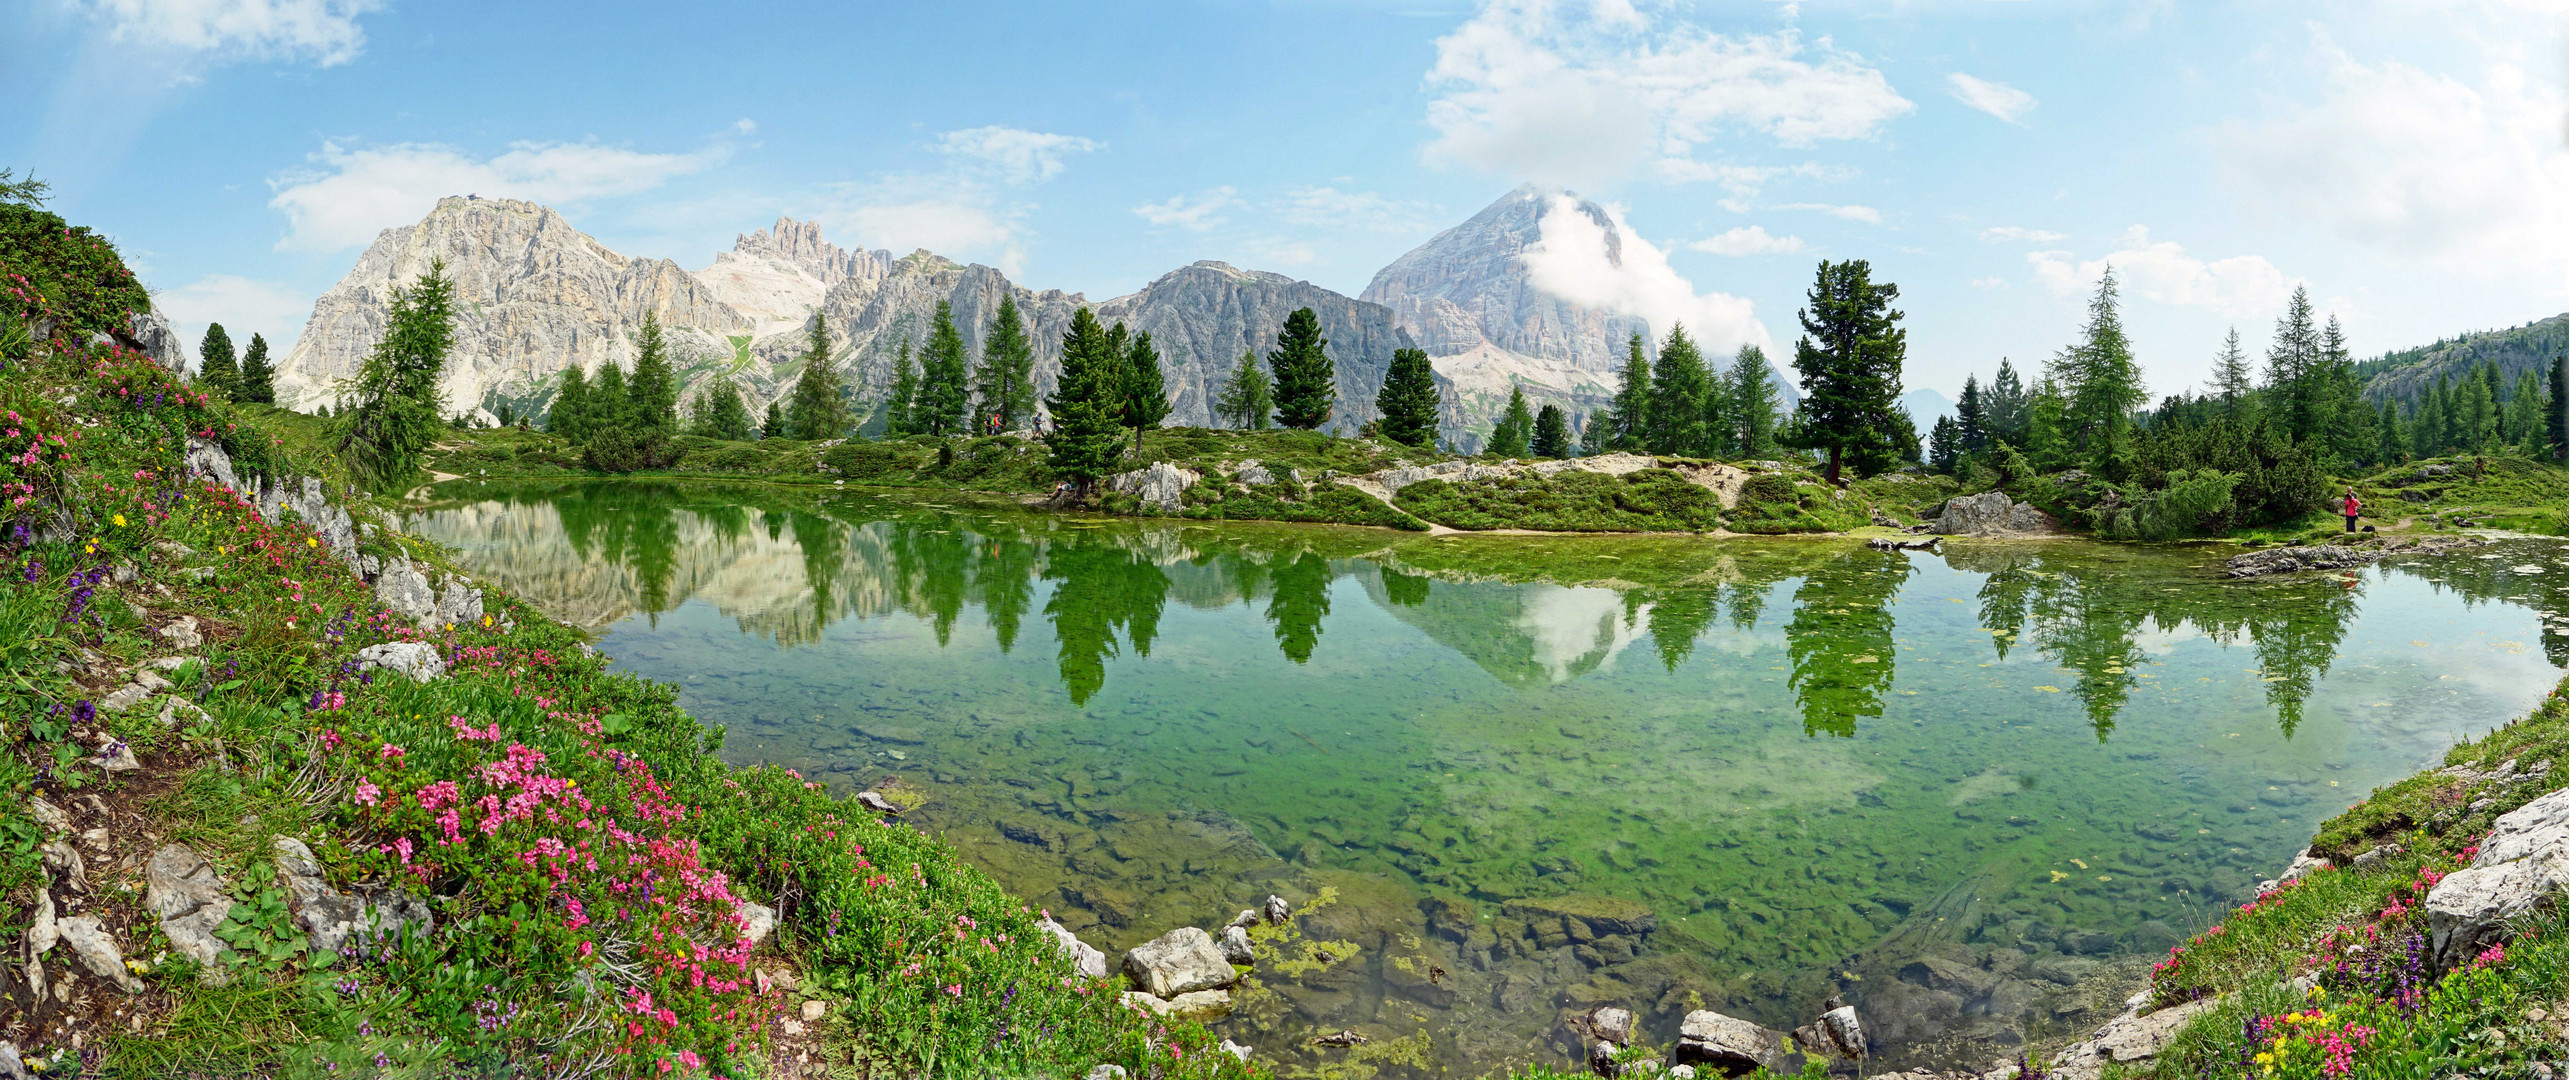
<point x="416" y="660"/>
<point x="1160" y="486"/>
<point x="60" y="855"/>
<point x="1681" y="1072"/>
<point x="1235" y="1050"/>
<point x="2285" y="560"/>
<point x="172" y="708"/>
<point x="309" y="503"/>
<point x="116" y="757"/>
<point x="874" y="800"/>
<point x="2523" y="862"/>
<point x="190" y="901"/>
<point x="43" y="932"/>
<point x="2126" y="1040"/>
<point x="1993" y="514"/>
<point x="1235" y="946"/>
<point x="1246" y="917"/>
<point x="328" y="917"/>
<point x="97" y="949"/>
<point x="53" y="818"/>
<point x="1608" y="1023"/>
<point x="458" y="605"/>
<point x="1838" y="1033"/>
<point x="1088" y="959"/>
<point x="1601" y="1059"/>
<point x="206" y="460"/>
<point x="1955" y="977"/>
<point x="1255" y="472"/>
<point x="182" y="633"/>
<point x="1178" y="962"/>
<point x="404" y="591"/>
<point x="756" y="921"/>
<point x="1106" y="1072"/>
<point x="814" y="1010"/>
<point x="134" y="693"/>
<point x="13" y="1067"/>
<point x="1730" y="1045"/>
<point x="1277" y="910"/>
<point x="2375" y="859"/>
<point x="1196" y="1005"/>
<point x="151" y="333"/>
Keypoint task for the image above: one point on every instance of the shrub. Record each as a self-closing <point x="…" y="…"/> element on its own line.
<point x="624" y="449"/>
<point x="52" y="268"/>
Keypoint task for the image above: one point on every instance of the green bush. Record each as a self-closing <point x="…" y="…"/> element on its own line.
<point x="624" y="449"/>
<point x="49" y="267"/>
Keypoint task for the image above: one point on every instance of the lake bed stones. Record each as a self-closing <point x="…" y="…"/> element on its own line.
<point x="1726" y="1044"/>
<point x="1179" y="962"/>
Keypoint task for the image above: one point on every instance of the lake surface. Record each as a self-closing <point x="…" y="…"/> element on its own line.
<point x="1971" y="791"/>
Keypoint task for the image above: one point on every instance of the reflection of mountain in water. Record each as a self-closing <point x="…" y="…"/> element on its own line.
<point x="1525" y="635"/>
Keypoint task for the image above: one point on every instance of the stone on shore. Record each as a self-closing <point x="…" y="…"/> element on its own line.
<point x="1993" y="514"/>
<point x="1726" y="1044"/>
<point x="2523" y="862"/>
<point x="1179" y="962"/>
<point x="1088" y="959"/>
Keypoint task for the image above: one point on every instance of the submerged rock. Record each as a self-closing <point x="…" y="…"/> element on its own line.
<point x="1179" y="962"/>
<point x="1726" y="1044"/>
<point x="1277" y="910"/>
<point x="2285" y="560"/>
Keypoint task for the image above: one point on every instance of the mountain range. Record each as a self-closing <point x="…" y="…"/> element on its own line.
<point x="536" y="295"/>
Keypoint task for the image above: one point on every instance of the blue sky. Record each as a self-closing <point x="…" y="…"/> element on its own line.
<point x="2404" y="160"/>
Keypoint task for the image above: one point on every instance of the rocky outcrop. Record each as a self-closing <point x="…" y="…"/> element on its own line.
<point x="2523" y="863"/>
<point x="1993" y="514"/>
<point x="2127" y="1040"/>
<point x="1160" y="486"/>
<point x="403" y="590"/>
<point x="532" y="295"/>
<point x="182" y="890"/>
<point x="1202" y="317"/>
<point x="416" y="660"/>
<point x="1181" y="961"/>
<point x="1087" y="959"/>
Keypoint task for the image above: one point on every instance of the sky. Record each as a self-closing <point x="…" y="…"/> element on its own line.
<point x="2407" y="162"/>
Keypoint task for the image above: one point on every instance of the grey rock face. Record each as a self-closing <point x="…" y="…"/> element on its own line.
<point x="458" y="605"/>
<point x="2523" y="863"/>
<point x="1160" y="486"/>
<point x="182" y="634"/>
<point x="1993" y="514"/>
<point x="2125" y="1039"/>
<point x="312" y="505"/>
<point x="1838" y="1033"/>
<point x="1088" y="959"/>
<point x="329" y="917"/>
<point x="97" y="949"/>
<point x="150" y="332"/>
<point x="1726" y="1044"/>
<point x="206" y="460"/>
<point x="1181" y="961"/>
<point x="531" y="293"/>
<point x="415" y="659"/>
<point x="403" y="590"/>
<point x="190" y="902"/>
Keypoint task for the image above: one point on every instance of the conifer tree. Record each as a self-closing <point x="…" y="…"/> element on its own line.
<point x="897" y="418"/>
<point x="1594" y="431"/>
<point x="2292" y="360"/>
<point x="1409" y="402"/>
<point x="1087" y="403"/>
<point x="1248" y="398"/>
<point x="1971" y="419"/>
<point x="610" y="401"/>
<point x="216" y="366"/>
<point x="2102" y="382"/>
<point x="2524" y="412"/>
<point x="2393" y="447"/>
<point x="258" y="378"/>
<point x="943" y="397"/>
<point x="2557" y="410"/>
<point x="1679" y="387"/>
<point x="1756" y="406"/>
<point x="397" y="406"/>
<point x="1630" y="428"/>
<point x="1944" y="445"/>
<point x="1005" y="386"/>
<point x="1513" y="437"/>
<point x="774" y="426"/>
<point x="569" y="414"/>
<point x="1850" y="357"/>
<point x="1146" y="390"/>
<point x="720" y="412"/>
<point x="653" y="389"/>
<point x="817" y="411"/>
<point x="2007" y="406"/>
<point x="1305" y="378"/>
<point x="1551" y="432"/>
<point x="2230" y="375"/>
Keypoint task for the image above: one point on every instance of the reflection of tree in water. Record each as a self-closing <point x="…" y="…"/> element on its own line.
<point x="1840" y="639"/>
<point x="1099" y="591"/>
<point x="2479" y="580"/>
<point x="1300" y="601"/>
<point x="636" y="529"/>
<point x="1003" y="576"/>
<point x="1407" y="590"/>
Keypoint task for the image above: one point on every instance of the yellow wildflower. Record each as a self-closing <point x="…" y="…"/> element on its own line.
<point x="119" y="520"/>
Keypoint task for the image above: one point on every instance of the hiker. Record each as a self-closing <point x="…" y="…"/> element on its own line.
<point x="2350" y="508"/>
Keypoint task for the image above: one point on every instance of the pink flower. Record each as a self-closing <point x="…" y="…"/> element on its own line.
<point x="367" y="793"/>
<point x="955" y="990"/>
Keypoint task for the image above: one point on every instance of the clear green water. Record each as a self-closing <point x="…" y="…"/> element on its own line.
<point x="1814" y="763"/>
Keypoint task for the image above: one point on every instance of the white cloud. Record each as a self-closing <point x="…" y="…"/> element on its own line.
<point x="1563" y="92"/>
<point x="2016" y="234"/>
<point x="1020" y="156"/>
<point x="1865" y="214"/>
<point x="2424" y="165"/>
<point x="1330" y="208"/>
<point x="1279" y="251"/>
<point x="272" y="309"/>
<point x="324" y="31"/>
<point x="2241" y="287"/>
<point x="352" y="194"/>
<point x="1997" y="99"/>
<point x="1576" y="259"/>
<point x="1198" y="214"/>
<point x="1989" y="284"/>
<point x="1748" y="240"/>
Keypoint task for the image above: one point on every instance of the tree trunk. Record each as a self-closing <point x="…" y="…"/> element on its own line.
<point x="1835" y="452"/>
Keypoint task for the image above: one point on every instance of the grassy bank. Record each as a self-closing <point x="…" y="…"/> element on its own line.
<point x="585" y="856"/>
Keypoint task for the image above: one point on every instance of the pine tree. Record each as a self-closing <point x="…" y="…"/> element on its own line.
<point x="1594" y="433"/>
<point x="2047" y="442"/>
<point x="897" y="418"/>
<point x="1756" y="406"/>
<point x="2102" y="382"/>
<point x="2426" y="429"/>
<point x="653" y="390"/>
<point x="1971" y="420"/>
<point x="721" y="414"/>
<point x="817" y="410"/>
<point x="2291" y="361"/>
<point x="774" y="427"/>
<point x="2393" y="446"/>
<point x="568" y="416"/>
<point x="1006" y="385"/>
<point x="1944" y="445"/>
<point x="1679" y="384"/>
<point x="1305" y="379"/>
<point x="610" y="401"/>
<point x="2230" y="375"/>
<point x="943" y="398"/>
<point x="1850" y="357"/>
<point x="1087" y="403"/>
<point x="1551" y="432"/>
<point x="216" y="366"/>
<point x="398" y="408"/>
<point x="1146" y="390"/>
<point x="1409" y="402"/>
<point x="2557" y="408"/>
<point x="258" y="379"/>
<point x="2008" y="417"/>
<point x="2524" y="411"/>
<point x="1513" y="437"/>
<point x="2344" y="423"/>
<point x="1247" y="398"/>
<point x="1630" y="429"/>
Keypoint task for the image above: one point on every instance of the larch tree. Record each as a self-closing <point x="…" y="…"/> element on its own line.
<point x="2103" y="383"/>
<point x="2231" y="377"/>
<point x="1849" y="356"/>
<point x="1305" y="378"/>
<point x="817" y="409"/>
<point x="1248" y="396"/>
<point x="2292" y="360"/>
<point x="1005" y="386"/>
<point x="396" y="407"/>
<point x="1409" y="402"/>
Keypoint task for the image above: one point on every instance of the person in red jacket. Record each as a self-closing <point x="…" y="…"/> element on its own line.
<point x="2352" y="507"/>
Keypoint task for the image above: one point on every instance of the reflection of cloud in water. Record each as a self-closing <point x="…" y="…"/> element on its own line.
<point x="2159" y="640"/>
<point x="1574" y="630"/>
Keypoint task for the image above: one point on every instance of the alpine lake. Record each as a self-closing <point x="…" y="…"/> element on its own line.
<point x="1973" y="792"/>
